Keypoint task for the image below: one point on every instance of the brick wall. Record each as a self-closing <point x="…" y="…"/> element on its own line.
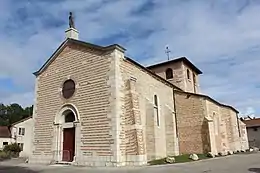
<point x="191" y="123"/>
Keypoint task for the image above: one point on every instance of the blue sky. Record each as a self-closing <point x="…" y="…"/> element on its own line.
<point x="222" y="38"/>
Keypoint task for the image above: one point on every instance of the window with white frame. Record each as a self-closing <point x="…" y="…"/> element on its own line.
<point x="156" y="110"/>
<point x="21" y="131"/>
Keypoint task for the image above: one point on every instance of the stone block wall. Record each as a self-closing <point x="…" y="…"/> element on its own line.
<point x="178" y="74"/>
<point x="138" y="91"/>
<point x="219" y="130"/>
<point x="191" y="84"/>
<point x="180" y="78"/>
<point x="191" y="123"/>
<point x="244" y="137"/>
<point x="91" y="70"/>
<point x="232" y="129"/>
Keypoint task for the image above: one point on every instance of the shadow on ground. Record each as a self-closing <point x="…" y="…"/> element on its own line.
<point x="16" y="169"/>
<point x="256" y="170"/>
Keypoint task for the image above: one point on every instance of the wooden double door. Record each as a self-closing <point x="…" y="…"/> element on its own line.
<point x="68" y="144"/>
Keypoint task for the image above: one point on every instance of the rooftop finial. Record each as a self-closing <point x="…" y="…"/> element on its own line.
<point x="71" y="21"/>
<point x="167" y="51"/>
<point x="72" y="32"/>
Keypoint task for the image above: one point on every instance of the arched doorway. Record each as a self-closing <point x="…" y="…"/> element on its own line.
<point x="68" y="151"/>
<point x="66" y="131"/>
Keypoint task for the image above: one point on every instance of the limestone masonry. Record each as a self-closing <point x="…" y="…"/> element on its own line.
<point x="96" y="107"/>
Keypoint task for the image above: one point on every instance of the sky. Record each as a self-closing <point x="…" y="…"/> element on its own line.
<point x="222" y="38"/>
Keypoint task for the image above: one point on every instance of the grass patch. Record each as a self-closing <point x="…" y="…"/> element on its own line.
<point x="178" y="159"/>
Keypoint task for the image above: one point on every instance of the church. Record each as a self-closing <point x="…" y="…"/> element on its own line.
<point x="94" y="106"/>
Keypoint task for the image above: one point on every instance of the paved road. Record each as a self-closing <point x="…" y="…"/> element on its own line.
<point x="242" y="163"/>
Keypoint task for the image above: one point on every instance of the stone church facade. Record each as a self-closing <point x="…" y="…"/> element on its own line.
<point x="96" y="107"/>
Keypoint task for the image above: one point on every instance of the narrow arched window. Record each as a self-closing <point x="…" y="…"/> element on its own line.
<point x="194" y="78"/>
<point x="169" y="74"/>
<point x="156" y="110"/>
<point x="188" y="73"/>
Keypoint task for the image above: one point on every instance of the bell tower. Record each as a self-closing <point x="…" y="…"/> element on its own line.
<point x="180" y="72"/>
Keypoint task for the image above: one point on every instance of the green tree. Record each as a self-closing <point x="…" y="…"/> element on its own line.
<point x="12" y="113"/>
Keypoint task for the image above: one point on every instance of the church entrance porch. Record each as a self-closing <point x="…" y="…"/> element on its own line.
<point x="66" y="130"/>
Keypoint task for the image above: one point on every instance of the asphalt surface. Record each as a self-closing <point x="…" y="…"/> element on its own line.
<point x="239" y="163"/>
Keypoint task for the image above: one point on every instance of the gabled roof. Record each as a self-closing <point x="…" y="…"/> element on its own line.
<point x="22" y="120"/>
<point x="181" y="59"/>
<point x="5" y="132"/>
<point x="101" y="48"/>
<point x="69" y="40"/>
<point x="209" y="98"/>
<point x="252" y="123"/>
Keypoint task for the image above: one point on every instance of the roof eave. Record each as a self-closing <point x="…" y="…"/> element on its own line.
<point x="107" y="48"/>
<point x="180" y="59"/>
<point x="209" y="98"/>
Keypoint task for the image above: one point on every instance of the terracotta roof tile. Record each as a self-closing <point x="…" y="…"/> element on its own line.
<point x="252" y="123"/>
<point x="4" y="132"/>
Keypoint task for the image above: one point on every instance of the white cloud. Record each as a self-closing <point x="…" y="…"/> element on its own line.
<point x="222" y="38"/>
<point x="249" y="111"/>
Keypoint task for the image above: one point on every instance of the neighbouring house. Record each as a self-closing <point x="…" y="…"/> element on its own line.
<point x="5" y="136"/>
<point x="253" y="131"/>
<point x="20" y="133"/>
<point x="95" y="106"/>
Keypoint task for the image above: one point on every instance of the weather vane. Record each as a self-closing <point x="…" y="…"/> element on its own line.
<point x="167" y="51"/>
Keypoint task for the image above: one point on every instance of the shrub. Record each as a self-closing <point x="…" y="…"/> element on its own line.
<point x="4" y="155"/>
<point x="12" y="149"/>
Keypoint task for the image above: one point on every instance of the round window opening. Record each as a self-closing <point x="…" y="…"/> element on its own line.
<point x="68" y="89"/>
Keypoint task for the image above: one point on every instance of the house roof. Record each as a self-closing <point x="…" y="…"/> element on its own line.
<point x="22" y="120"/>
<point x="69" y="40"/>
<point x="5" y="132"/>
<point x="252" y="123"/>
<point x="209" y="98"/>
<point x="181" y="59"/>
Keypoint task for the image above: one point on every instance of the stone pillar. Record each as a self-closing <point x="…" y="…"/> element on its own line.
<point x="212" y="138"/>
<point x="116" y="113"/>
<point x="72" y="33"/>
<point x="78" y="154"/>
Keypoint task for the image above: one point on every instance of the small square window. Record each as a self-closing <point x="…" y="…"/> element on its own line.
<point x="21" y="131"/>
<point x="5" y="143"/>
